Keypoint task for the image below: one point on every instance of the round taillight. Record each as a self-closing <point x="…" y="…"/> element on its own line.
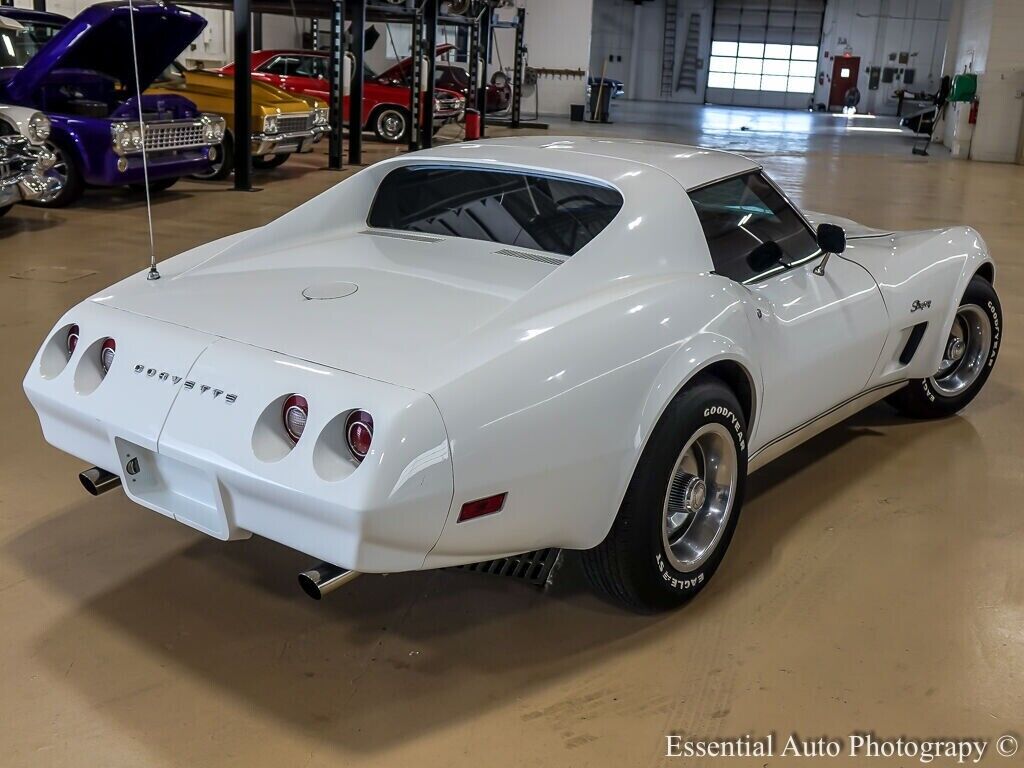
<point x="359" y="430"/>
<point x="72" y="340"/>
<point x="107" y="354"/>
<point x="296" y="411"/>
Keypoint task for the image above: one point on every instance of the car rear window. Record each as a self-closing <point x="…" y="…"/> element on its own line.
<point x="545" y="213"/>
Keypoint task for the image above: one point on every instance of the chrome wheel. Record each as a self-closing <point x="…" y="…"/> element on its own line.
<point x="57" y="176"/>
<point x="967" y="349"/>
<point x="391" y="125"/>
<point x="699" y="498"/>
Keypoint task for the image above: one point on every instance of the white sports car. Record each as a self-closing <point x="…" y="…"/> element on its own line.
<point x="473" y="352"/>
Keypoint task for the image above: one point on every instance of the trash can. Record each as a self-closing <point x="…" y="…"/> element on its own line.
<point x="472" y="125"/>
<point x="576" y="112"/>
<point x="600" y="101"/>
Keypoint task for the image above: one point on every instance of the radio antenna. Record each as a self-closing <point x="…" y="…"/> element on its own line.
<point x="154" y="274"/>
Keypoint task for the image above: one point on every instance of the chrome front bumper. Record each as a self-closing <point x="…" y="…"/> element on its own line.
<point x="23" y="170"/>
<point x="286" y="143"/>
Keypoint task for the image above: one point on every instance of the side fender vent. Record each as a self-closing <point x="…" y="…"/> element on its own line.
<point x="555" y="262"/>
<point x="914" y="340"/>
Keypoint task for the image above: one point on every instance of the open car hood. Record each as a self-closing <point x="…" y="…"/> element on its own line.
<point x="405" y="64"/>
<point x="99" y="40"/>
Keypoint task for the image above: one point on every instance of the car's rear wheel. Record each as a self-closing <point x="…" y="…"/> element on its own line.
<point x="391" y="124"/>
<point x="682" y="505"/>
<point x="66" y="179"/>
<point x="267" y="162"/>
<point x="967" y="359"/>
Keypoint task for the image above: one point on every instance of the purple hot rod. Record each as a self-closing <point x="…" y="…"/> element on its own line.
<point x="83" y="77"/>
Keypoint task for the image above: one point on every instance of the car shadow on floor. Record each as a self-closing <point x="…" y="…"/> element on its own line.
<point x="424" y="650"/>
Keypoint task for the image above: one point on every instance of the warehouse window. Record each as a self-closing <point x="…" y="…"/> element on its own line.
<point x="763" y="66"/>
<point x="546" y="213"/>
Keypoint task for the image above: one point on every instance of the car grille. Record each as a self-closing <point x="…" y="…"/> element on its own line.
<point x="448" y="105"/>
<point x="175" y="135"/>
<point x="294" y="123"/>
<point x="14" y="158"/>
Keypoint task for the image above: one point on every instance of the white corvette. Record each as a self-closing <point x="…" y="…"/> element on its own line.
<point x="468" y="353"/>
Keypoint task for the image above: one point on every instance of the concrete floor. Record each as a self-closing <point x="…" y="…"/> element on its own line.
<point x="875" y="582"/>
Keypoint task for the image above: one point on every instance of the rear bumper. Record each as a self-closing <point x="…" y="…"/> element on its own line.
<point x="224" y="465"/>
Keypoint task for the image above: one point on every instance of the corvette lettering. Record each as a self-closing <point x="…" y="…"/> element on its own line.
<point x="920" y="305"/>
<point x="189" y="385"/>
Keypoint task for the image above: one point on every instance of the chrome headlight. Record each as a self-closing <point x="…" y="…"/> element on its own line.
<point x="437" y="106"/>
<point x="38" y="128"/>
<point x="270" y="124"/>
<point x="126" y="137"/>
<point x="321" y="115"/>
<point x="213" y="128"/>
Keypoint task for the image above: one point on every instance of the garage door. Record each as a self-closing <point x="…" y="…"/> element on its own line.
<point x="765" y="53"/>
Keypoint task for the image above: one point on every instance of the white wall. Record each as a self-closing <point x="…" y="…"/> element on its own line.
<point x="874" y="30"/>
<point x="990" y="45"/>
<point x="558" y="37"/>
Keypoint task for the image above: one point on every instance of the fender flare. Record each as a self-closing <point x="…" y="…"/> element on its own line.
<point x="694" y="356"/>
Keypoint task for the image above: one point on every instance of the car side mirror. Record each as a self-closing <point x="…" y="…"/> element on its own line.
<point x="831" y="240"/>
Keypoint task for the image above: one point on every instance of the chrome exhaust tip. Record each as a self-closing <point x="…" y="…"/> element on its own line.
<point x="324" y="578"/>
<point x="97" y="481"/>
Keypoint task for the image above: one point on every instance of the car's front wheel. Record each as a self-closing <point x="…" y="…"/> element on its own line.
<point x="65" y="177"/>
<point x="159" y="185"/>
<point x="221" y="167"/>
<point x="681" y="507"/>
<point x="267" y="162"/>
<point x="967" y="358"/>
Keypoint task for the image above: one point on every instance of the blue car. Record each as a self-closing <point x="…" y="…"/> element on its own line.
<point x="81" y="73"/>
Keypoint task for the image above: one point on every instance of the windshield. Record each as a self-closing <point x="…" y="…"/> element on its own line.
<point x="17" y="46"/>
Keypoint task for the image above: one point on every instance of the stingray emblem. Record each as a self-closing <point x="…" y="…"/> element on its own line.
<point x="189" y="385"/>
<point x="920" y="305"/>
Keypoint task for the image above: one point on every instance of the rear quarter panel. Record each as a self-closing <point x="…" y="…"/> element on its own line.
<point x="560" y="420"/>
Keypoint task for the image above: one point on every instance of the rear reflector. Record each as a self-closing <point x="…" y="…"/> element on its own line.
<point x="481" y="507"/>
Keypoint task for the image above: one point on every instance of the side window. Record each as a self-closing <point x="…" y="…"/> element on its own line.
<point x="750" y="228"/>
<point x="308" y="66"/>
<point x="281" y="65"/>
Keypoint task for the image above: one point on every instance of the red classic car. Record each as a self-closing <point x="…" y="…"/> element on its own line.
<point x="385" y="102"/>
<point x="453" y="77"/>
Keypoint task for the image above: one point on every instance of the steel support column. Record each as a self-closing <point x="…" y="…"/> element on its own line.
<point x="314" y="33"/>
<point x="485" y="59"/>
<point x="430" y="13"/>
<point x="243" y="95"/>
<point x="416" y="77"/>
<point x="335" y="85"/>
<point x="473" y="64"/>
<point x="520" y="65"/>
<point x="357" y="10"/>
